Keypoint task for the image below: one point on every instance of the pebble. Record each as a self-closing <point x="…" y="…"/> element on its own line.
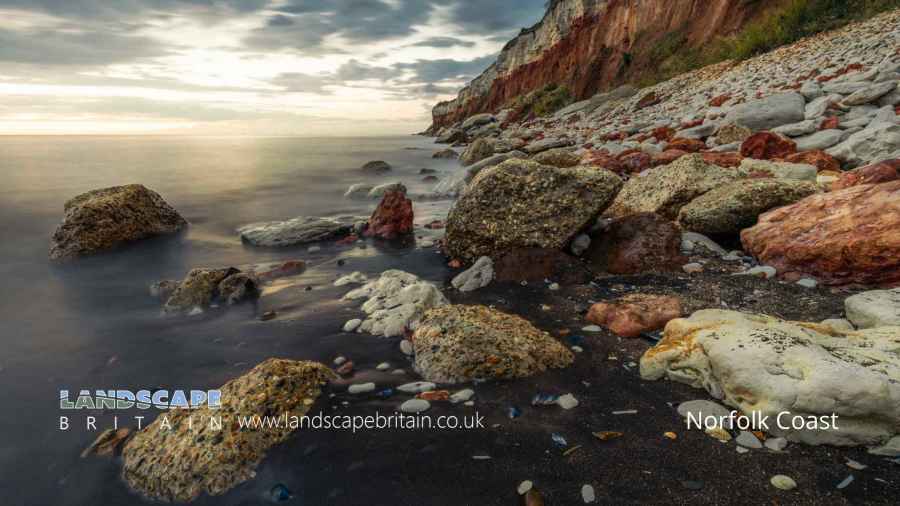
<point x="524" y="487"/>
<point x="559" y="440"/>
<point x="808" y="283"/>
<point x="593" y="328"/>
<point x="762" y="271"/>
<point x="406" y="347"/>
<point x="415" y="406"/>
<point x="469" y="403"/>
<point x="859" y="466"/>
<point x="748" y="440"/>
<point x="280" y="493"/>
<point x="776" y="444"/>
<point x="692" y="485"/>
<point x="340" y="360"/>
<point x="268" y="315"/>
<point x="587" y="494"/>
<point x="384" y="366"/>
<point x="534" y="498"/>
<point x="554" y="287"/>
<point x="783" y="482"/>
<point x="567" y="402"/>
<point x="417" y="387"/>
<point x="692" y="268"/>
<point x="514" y="412"/>
<point x="313" y="249"/>
<point x="846" y="483"/>
<point x="625" y="412"/>
<point x="398" y="372"/>
<point x="352" y="325"/>
<point x="462" y="396"/>
<point x="741" y="449"/>
<point x="544" y="399"/>
<point x="577" y="349"/>
<point x="361" y="388"/>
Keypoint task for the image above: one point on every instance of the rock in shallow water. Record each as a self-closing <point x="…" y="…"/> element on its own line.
<point x="461" y="343"/>
<point x="393" y="218"/>
<point x="104" y="219"/>
<point x="396" y="302"/>
<point x="301" y="230"/>
<point x="179" y="462"/>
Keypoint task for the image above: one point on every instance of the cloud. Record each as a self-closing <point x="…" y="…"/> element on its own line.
<point x="58" y="47"/>
<point x="488" y="16"/>
<point x="444" y="69"/>
<point x="117" y="9"/>
<point x="443" y="42"/>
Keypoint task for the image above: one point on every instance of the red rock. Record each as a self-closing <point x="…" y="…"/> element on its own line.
<point x="289" y="268"/>
<point x="455" y="263"/>
<point x="647" y="101"/>
<point x="870" y="174"/>
<point x="636" y="162"/>
<point x="689" y="145"/>
<point x="435" y="225"/>
<point x="663" y="134"/>
<point x="719" y="101"/>
<point x="636" y="243"/>
<point x="849" y="236"/>
<point x="393" y="217"/>
<point x="434" y="396"/>
<point x="766" y="146"/>
<point x="345" y="369"/>
<point x="603" y="160"/>
<point x="830" y="123"/>
<point x="727" y="159"/>
<point x="350" y="239"/>
<point x="691" y="124"/>
<point x="822" y="160"/>
<point x="666" y="157"/>
<point x="538" y="264"/>
<point x="636" y="313"/>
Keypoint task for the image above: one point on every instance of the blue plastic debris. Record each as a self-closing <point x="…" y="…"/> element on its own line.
<point x="280" y="493"/>
<point x="384" y="394"/>
<point x="514" y="412"/>
<point x="559" y="440"/>
<point x="544" y="400"/>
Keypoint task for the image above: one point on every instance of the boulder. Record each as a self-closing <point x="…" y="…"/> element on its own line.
<point x="870" y="93"/>
<point x="822" y="139"/>
<point x="686" y="145"/>
<point x="876" y="308"/>
<point x="765" y="366"/>
<point x="731" y="133"/>
<point x="766" y="146"/>
<point x="376" y="167"/>
<point x="381" y="190"/>
<point x="395" y="303"/>
<point x="636" y="313"/>
<point x="779" y="170"/>
<point x="476" y="152"/>
<point x="462" y="343"/>
<point x="726" y="159"/>
<point x="544" y="144"/>
<point x="797" y="129"/>
<point x="478" y="120"/>
<point x="478" y="276"/>
<point x="446" y="154"/>
<point x="820" y="159"/>
<point x="524" y="204"/>
<point x="636" y="162"/>
<point x="173" y="460"/>
<point x="769" y="112"/>
<point x="733" y="207"/>
<point x="300" y="230"/>
<point x="455" y="183"/>
<point x="636" y="243"/>
<point x="108" y="218"/>
<point x="203" y="287"/>
<point x="664" y="190"/>
<point x="842" y="237"/>
<point x="559" y="157"/>
<point x="878" y="142"/>
<point x="534" y="265"/>
<point x="392" y="218"/>
<point x="450" y="136"/>
<point x="870" y="174"/>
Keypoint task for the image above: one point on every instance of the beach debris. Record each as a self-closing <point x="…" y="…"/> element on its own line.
<point x="846" y="482"/>
<point x="544" y="399"/>
<point x="268" y="315"/>
<point x="607" y="435"/>
<point x="481" y="457"/>
<point x="386" y="393"/>
<point x="279" y="493"/>
<point x="571" y="450"/>
<point x="340" y="360"/>
<point x="719" y="433"/>
<point x="625" y="412"/>
<point x="783" y="482"/>
<point x="670" y="435"/>
<point x="514" y="412"/>
<point x="559" y="440"/>
<point x="524" y="487"/>
<point x="592" y="328"/>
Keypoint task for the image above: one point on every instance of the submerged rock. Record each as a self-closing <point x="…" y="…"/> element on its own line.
<point x="460" y="343"/>
<point x="105" y="219"/>
<point x="523" y="204"/>
<point x="759" y="364"/>
<point x="202" y="287"/>
<point x="821" y="236"/>
<point x="301" y="230"/>
<point x="396" y="302"/>
<point x="174" y="460"/>
<point x="376" y="167"/>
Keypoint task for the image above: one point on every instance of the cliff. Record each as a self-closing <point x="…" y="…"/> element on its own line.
<point x="590" y="46"/>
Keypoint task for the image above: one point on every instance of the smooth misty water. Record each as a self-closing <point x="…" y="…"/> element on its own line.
<point x="92" y="325"/>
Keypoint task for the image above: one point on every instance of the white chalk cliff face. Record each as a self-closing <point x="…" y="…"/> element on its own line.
<point x="759" y="364"/>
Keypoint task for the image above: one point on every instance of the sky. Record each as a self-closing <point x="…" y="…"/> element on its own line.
<point x="243" y="67"/>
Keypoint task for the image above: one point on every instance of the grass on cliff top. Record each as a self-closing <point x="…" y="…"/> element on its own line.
<point x="783" y="25"/>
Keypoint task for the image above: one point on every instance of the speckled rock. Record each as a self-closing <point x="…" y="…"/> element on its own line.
<point x="757" y="363"/>
<point x="476" y="152"/>
<point x="524" y="204"/>
<point x="172" y="461"/>
<point x="731" y="133"/>
<point x="559" y="157"/>
<point x="396" y="302"/>
<point x="733" y="207"/>
<point x="105" y="219"/>
<point x="201" y="287"/>
<point x="664" y="190"/>
<point x="461" y="343"/>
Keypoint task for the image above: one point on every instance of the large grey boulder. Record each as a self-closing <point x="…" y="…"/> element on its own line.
<point x="822" y="139"/>
<point x="780" y="170"/>
<point x="769" y="112"/>
<point x="105" y="219"/>
<point x="478" y="120"/>
<point x="524" y="204"/>
<point x="878" y="142"/>
<point x="870" y="93"/>
<point x="876" y="308"/>
<point x="477" y="151"/>
<point x="765" y="366"/>
<point x="735" y="206"/>
<point x="300" y="230"/>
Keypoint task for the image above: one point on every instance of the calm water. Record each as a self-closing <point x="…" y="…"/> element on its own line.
<point x="92" y="325"/>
